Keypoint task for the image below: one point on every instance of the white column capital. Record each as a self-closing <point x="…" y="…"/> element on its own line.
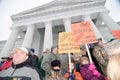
<point x="104" y="13"/>
<point x="86" y="17"/>
<point x="48" y="22"/>
<point x="30" y="26"/>
<point x="68" y="18"/>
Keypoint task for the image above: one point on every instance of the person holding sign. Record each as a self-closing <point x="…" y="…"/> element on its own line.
<point x="101" y="56"/>
<point x="75" y="75"/>
<point x="89" y="71"/>
<point x="56" y="73"/>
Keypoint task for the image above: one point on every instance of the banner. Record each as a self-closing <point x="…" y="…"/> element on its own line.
<point x="116" y="34"/>
<point x="65" y="44"/>
<point x="83" y="33"/>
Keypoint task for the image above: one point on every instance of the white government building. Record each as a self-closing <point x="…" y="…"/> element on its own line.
<point x="39" y="27"/>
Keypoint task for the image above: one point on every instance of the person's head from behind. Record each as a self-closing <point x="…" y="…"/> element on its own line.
<point x="32" y="51"/>
<point x="84" y="60"/>
<point x="113" y="67"/>
<point x="55" y="65"/>
<point x="54" y="49"/>
<point x="20" y="55"/>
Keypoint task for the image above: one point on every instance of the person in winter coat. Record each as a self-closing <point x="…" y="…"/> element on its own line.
<point x="33" y="59"/>
<point x="75" y="75"/>
<point x="38" y="65"/>
<point x="20" y="69"/>
<point x="7" y="63"/>
<point x="53" y="55"/>
<point x="48" y="58"/>
<point x="89" y="71"/>
<point x="56" y="73"/>
<point x="101" y="57"/>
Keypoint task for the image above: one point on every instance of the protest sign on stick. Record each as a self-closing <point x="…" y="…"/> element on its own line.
<point x="88" y="53"/>
<point x="66" y="45"/>
<point x="83" y="33"/>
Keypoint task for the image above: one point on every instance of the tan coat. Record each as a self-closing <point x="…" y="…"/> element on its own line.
<point x="46" y="63"/>
<point x="101" y="56"/>
<point x="55" y="76"/>
<point x="48" y="58"/>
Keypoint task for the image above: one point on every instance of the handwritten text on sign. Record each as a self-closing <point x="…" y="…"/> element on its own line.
<point x="83" y="33"/>
<point x="66" y="43"/>
<point x="116" y="34"/>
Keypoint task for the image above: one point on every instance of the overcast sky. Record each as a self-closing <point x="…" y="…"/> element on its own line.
<point x="10" y="7"/>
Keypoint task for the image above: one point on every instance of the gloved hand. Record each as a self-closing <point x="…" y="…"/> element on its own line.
<point x="94" y="70"/>
<point x="72" y="77"/>
<point x="96" y="73"/>
<point x="92" y="67"/>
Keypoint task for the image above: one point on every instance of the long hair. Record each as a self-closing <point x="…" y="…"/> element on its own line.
<point x="113" y="67"/>
<point x="55" y="76"/>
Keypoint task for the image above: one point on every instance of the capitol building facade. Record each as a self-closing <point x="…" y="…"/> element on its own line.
<point x="38" y="28"/>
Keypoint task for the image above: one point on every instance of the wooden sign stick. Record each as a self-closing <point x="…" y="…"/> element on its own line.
<point x="88" y="53"/>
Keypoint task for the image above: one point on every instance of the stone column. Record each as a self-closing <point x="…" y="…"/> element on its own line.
<point x="48" y="38"/>
<point x="99" y="22"/>
<point x="36" y="41"/>
<point x="9" y="45"/>
<point x="27" y="42"/>
<point x="97" y="32"/>
<point x="67" y="23"/>
<point x="109" y="21"/>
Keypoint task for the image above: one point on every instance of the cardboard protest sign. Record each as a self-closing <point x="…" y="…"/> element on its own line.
<point x="116" y="34"/>
<point x="83" y="33"/>
<point x="66" y="43"/>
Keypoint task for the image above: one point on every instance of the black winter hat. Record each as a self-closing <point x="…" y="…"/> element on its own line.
<point x="33" y="50"/>
<point x="55" y="63"/>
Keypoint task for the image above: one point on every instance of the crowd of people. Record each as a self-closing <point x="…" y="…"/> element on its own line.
<point x="24" y="64"/>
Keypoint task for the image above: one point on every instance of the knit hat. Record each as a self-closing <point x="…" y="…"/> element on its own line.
<point x="23" y="49"/>
<point x="55" y="63"/>
<point x="33" y="50"/>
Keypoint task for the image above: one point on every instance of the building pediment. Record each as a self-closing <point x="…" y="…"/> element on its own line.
<point x="54" y="6"/>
